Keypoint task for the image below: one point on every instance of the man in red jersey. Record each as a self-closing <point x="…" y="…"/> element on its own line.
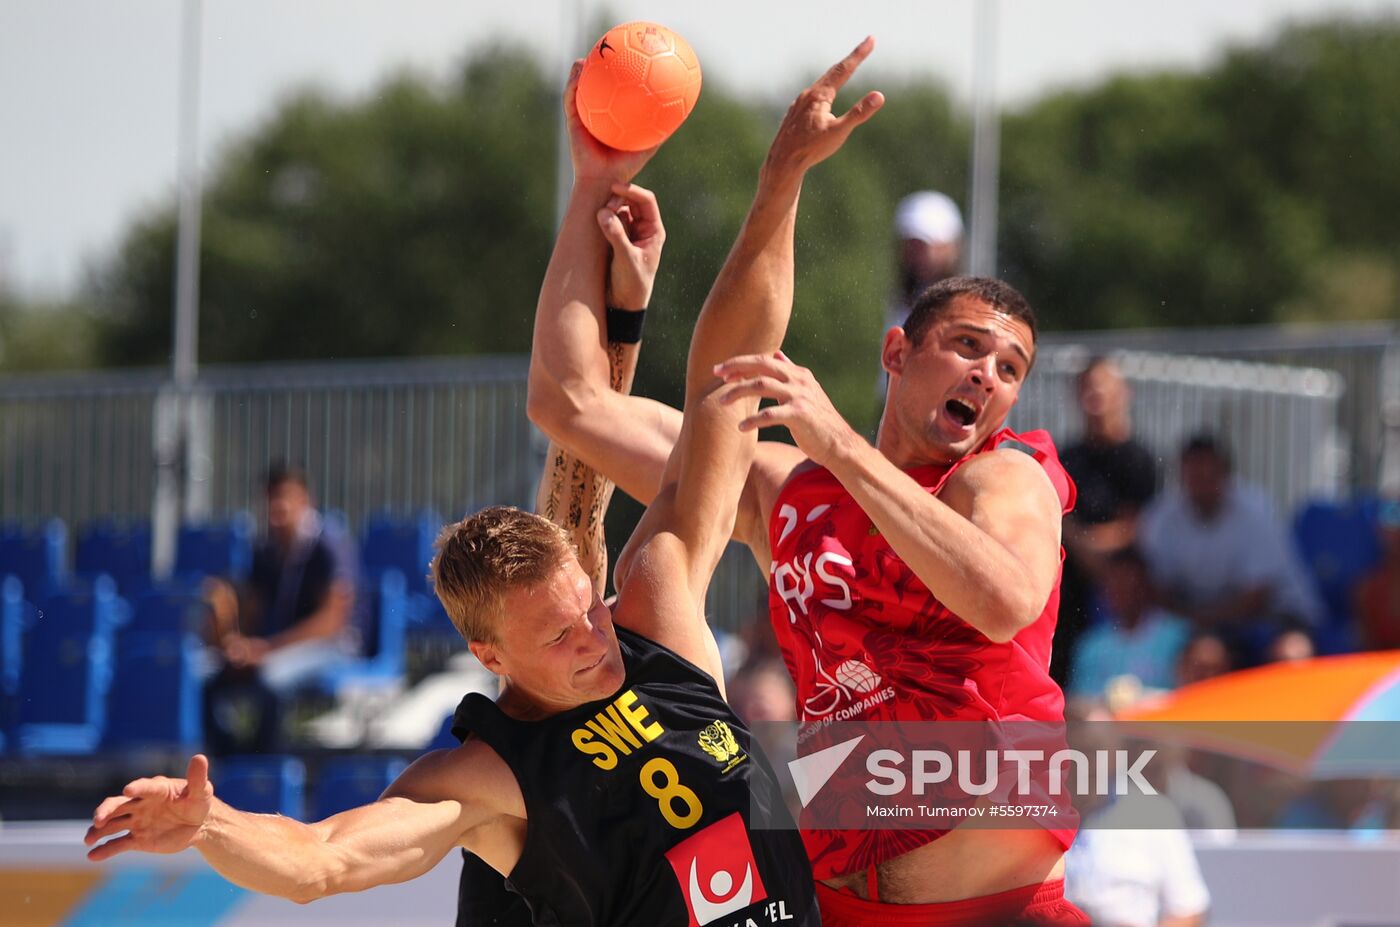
<point x="915" y="579"/>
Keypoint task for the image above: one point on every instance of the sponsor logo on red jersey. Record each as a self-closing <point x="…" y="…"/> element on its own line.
<point x="717" y="871"/>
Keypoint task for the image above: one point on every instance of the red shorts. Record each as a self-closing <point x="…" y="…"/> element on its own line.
<point x="1042" y="905"/>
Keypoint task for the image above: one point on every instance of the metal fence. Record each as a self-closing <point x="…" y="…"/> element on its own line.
<point x="77" y="447"/>
<point x="1280" y="423"/>
<point x="442" y="435"/>
<point x="1365" y="354"/>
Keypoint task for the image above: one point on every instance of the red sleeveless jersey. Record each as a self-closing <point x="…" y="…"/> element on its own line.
<point x="865" y="639"/>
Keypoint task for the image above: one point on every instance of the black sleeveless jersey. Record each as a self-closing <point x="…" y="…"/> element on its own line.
<point x="639" y="807"/>
<point x="483" y="900"/>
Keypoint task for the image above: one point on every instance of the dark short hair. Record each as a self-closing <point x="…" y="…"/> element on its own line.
<point x="279" y="473"/>
<point x="1204" y="442"/>
<point x="939" y="298"/>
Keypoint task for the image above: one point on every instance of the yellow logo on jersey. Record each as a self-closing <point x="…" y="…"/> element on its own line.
<point x="621" y="728"/>
<point x="718" y="741"/>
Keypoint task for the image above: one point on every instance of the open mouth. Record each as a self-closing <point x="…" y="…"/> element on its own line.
<point x="963" y="413"/>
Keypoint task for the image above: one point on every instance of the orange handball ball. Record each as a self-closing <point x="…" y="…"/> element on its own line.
<point x="638" y="84"/>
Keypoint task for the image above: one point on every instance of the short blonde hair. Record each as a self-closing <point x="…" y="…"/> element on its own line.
<point x="482" y="557"/>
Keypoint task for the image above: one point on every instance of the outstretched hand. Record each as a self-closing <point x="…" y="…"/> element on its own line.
<point x="810" y="132"/>
<point x="802" y="405"/>
<point x="631" y="222"/>
<point x="591" y="158"/>
<point x="158" y="815"/>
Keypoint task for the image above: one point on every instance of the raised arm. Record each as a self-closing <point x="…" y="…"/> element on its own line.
<point x="674" y="551"/>
<point x="572" y="493"/>
<point x="571" y="398"/>
<point x="429" y="810"/>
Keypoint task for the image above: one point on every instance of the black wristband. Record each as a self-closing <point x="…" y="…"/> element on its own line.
<point x="625" y="325"/>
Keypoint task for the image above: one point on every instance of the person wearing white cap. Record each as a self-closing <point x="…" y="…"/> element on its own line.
<point x="929" y="229"/>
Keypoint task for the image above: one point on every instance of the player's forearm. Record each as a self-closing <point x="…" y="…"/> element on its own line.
<point x="746" y="313"/>
<point x="750" y="303"/>
<point x="574" y="495"/>
<point x="269" y="854"/>
<point x="971" y="573"/>
<point x="568" y="359"/>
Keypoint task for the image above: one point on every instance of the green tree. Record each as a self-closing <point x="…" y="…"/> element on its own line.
<point x="1245" y="193"/>
<point x="44" y="335"/>
<point x="415" y="223"/>
<point x="418" y="221"/>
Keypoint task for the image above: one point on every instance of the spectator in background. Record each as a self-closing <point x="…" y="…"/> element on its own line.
<point x="1205" y="656"/>
<point x="1115" y="477"/>
<point x="1205" y="807"/>
<point x="762" y="690"/>
<point x="1359" y="806"/>
<point x="1291" y="644"/>
<point x="762" y="694"/>
<point x="1139" y="638"/>
<point x="1132" y="864"/>
<point x="928" y="229"/>
<point x="1378" y="593"/>
<point x="1220" y="556"/>
<point x="288" y="623"/>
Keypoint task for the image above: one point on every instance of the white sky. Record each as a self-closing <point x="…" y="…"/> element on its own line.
<point x="88" y="93"/>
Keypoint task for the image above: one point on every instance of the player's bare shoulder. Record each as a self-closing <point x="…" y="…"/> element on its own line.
<point x="774" y="463"/>
<point x="473" y="774"/>
<point x="1002" y="476"/>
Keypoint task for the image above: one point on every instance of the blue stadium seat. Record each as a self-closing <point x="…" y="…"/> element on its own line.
<point x="67" y="670"/>
<point x="36" y="556"/>
<point x="268" y="784"/>
<point x="1339" y="544"/>
<point x="121" y="550"/>
<point x="384" y="631"/>
<point x="216" y="548"/>
<point x="401" y="543"/>
<point x="170" y="607"/>
<point x="406" y="544"/>
<point x="350" y="781"/>
<point x="15" y="617"/>
<point x="156" y="691"/>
